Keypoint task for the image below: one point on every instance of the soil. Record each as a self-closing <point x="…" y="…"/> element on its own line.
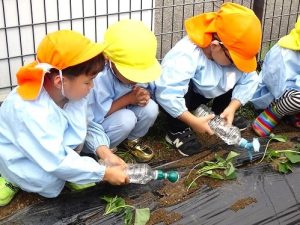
<point x="171" y="194"/>
<point x="242" y="203"/>
<point x="164" y="216"/>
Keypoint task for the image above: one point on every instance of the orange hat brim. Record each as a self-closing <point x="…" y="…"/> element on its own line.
<point x="245" y="65"/>
<point x="200" y="28"/>
<point x="30" y="80"/>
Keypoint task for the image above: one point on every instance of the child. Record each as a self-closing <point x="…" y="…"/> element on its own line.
<point x="279" y="90"/>
<point x="215" y="61"/>
<point x="123" y="108"/>
<point x="43" y="121"/>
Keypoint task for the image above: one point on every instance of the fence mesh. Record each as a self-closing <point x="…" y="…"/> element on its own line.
<point x="23" y="23"/>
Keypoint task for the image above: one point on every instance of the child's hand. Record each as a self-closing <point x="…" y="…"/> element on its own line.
<point x="110" y="159"/>
<point x="115" y="160"/>
<point x="228" y="115"/>
<point x="116" y="175"/>
<point x="201" y="125"/>
<point x="140" y="96"/>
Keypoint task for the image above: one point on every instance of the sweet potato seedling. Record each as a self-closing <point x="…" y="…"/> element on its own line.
<point x="132" y="215"/>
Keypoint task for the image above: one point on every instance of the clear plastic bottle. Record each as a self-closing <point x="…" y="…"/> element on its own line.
<point x="142" y="173"/>
<point x="231" y="135"/>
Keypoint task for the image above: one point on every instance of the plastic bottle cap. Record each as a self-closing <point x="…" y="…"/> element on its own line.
<point x="173" y="176"/>
<point x="160" y="175"/>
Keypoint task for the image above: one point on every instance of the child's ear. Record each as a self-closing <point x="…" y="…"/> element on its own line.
<point x="57" y="82"/>
<point x="214" y="45"/>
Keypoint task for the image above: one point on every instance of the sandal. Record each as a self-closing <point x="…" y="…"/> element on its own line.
<point x="142" y="152"/>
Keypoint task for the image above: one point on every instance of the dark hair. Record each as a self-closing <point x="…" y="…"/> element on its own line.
<point x="89" y="67"/>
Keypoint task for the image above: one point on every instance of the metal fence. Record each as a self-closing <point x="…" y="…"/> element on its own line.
<point x="23" y="23"/>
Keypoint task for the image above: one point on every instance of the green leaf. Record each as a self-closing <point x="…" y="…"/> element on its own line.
<point x="230" y="169"/>
<point x="274" y="154"/>
<point x="114" y="204"/>
<point x="284" y="168"/>
<point x="231" y="176"/>
<point x="128" y="216"/>
<point x="231" y="155"/>
<point x="219" y="159"/>
<point x="209" y="163"/>
<point x="280" y="138"/>
<point x="214" y="175"/>
<point x="293" y="157"/>
<point x="141" y="216"/>
<point x="107" y="198"/>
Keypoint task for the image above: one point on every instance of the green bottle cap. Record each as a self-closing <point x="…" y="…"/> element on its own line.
<point x="172" y="176"/>
<point x="160" y="175"/>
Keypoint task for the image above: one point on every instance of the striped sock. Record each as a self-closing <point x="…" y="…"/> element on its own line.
<point x="266" y="121"/>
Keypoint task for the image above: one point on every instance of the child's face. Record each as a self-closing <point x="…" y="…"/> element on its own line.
<point x="119" y="76"/>
<point x="78" y="87"/>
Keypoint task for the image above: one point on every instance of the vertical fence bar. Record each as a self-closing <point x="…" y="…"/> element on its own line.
<point x="19" y="31"/>
<point x="130" y="7"/>
<point x="58" y="23"/>
<point x="258" y="8"/>
<point x="6" y="41"/>
<point x="172" y="24"/>
<point x="289" y="16"/>
<point x="83" y="24"/>
<point x="32" y="27"/>
<point x="95" y="5"/>
<point x="106" y="13"/>
<point x="141" y="14"/>
<point x="162" y="28"/>
<point x="152" y="19"/>
<point x="45" y="17"/>
<point x="118" y="13"/>
<point x="182" y="25"/>
<point x="71" y="19"/>
<point x="194" y="7"/>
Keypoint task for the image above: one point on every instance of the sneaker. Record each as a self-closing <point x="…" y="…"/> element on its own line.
<point x="241" y="122"/>
<point x="185" y="142"/>
<point x="7" y="191"/>
<point x="78" y="187"/>
<point x="142" y="152"/>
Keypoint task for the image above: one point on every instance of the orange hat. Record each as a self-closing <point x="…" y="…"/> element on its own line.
<point x="238" y="28"/>
<point x="60" y="49"/>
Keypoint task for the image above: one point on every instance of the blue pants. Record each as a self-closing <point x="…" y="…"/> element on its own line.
<point x="132" y="122"/>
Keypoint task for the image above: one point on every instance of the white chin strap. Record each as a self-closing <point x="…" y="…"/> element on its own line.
<point x="62" y="83"/>
<point x="46" y="68"/>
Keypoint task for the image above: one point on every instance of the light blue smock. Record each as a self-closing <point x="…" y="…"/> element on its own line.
<point x="186" y="62"/>
<point x="130" y="122"/>
<point x="280" y="72"/>
<point x="37" y="139"/>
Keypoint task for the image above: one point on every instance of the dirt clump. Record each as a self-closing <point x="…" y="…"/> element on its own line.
<point x="242" y="203"/>
<point x="164" y="216"/>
